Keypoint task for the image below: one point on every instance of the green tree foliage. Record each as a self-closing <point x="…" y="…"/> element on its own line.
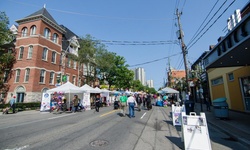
<point x="7" y="53"/>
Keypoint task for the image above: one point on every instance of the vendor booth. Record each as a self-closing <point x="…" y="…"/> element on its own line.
<point x="67" y="90"/>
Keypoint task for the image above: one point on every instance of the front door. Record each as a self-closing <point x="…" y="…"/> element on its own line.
<point x="245" y="86"/>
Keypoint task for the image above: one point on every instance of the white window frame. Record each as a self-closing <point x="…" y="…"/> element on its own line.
<point x="47" y="33"/>
<point x="30" y="51"/>
<point x="24" y="32"/>
<point x="18" y="73"/>
<point x="33" y="30"/>
<point x="55" y="38"/>
<point x="27" y="75"/>
<point x="53" y="57"/>
<point x="74" y="64"/>
<point x="74" y="80"/>
<point x="21" y="50"/>
<point x="45" y="53"/>
<point x="51" y="77"/>
<point x="42" y="76"/>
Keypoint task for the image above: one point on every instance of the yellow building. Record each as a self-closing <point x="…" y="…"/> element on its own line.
<point x="228" y="63"/>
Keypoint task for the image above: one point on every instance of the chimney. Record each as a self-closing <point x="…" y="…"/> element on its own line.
<point x="220" y="38"/>
<point x="211" y="47"/>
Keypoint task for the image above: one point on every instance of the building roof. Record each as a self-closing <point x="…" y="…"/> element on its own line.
<point x="43" y="12"/>
<point x="44" y="15"/>
<point x="66" y="37"/>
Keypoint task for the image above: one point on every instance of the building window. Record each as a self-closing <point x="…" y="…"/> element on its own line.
<point x="53" y="59"/>
<point x="42" y="76"/>
<point x="5" y="76"/>
<point x="21" y="49"/>
<point x="74" y="80"/>
<point x="69" y="63"/>
<point x="61" y="57"/>
<point x="27" y="75"/>
<point x="30" y="51"/>
<point x="74" y="65"/>
<point x="51" y="78"/>
<point x="33" y="30"/>
<point x="24" y="32"/>
<point x="45" y="52"/>
<point x="46" y="33"/>
<point x="217" y="81"/>
<point x="55" y="38"/>
<point x="18" y="71"/>
<point x="230" y="76"/>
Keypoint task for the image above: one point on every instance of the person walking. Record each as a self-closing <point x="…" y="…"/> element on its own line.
<point x="148" y="101"/>
<point x="97" y="103"/>
<point x="75" y="103"/>
<point x="207" y="103"/>
<point x="13" y="104"/>
<point x="139" y="101"/>
<point x="123" y="102"/>
<point x="131" y="102"/>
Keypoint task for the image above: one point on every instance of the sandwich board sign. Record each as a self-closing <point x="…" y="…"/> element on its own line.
<point x="176" y="114"/>
<point x="195" y="132"/>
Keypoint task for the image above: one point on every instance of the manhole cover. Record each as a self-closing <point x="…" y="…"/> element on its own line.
<point x="99" y="143"/>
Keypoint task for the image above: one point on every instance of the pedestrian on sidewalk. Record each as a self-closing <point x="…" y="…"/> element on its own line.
<point x="207" y="103"/>
<point x="13" y="104"/>
<point x="123" y="103"/>
<point x="131" y="102"/>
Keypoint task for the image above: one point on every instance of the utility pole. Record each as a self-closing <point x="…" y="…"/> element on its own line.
<point x="183" y="47"/>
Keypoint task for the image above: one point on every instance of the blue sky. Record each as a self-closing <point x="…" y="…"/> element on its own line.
<point x="140" y="21"/>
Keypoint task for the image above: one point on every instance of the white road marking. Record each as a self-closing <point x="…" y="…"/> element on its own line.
<point x="143" y="115"/>
<point x="60" y="116"/>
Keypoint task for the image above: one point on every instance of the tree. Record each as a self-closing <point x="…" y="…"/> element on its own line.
<point x="7" y="53"/>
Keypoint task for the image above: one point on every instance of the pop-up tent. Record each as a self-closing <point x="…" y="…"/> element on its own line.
<point x="169" y="90"/>
<point x="68" y="88"/>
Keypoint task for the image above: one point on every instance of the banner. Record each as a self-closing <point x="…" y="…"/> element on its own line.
<point x="45" y="103"/>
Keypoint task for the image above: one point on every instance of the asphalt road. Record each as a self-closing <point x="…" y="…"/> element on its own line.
<point x="104" y="130"/>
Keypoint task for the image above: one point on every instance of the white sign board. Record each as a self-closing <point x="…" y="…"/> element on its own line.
<point x="86" y="101"/>
<point x="176" y="114"/>
<point x="195" y="132"/>
<point x="45" y="103"/>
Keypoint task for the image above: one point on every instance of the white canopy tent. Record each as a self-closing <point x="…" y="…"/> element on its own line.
<point x="169" y="90"/>
<point x="67" y="88"/>
<point x="89" y="89"/>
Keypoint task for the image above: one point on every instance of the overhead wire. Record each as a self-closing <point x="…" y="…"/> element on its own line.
<point x="203" y="22"/>
<point x="193" y="39"/>
<point x="211" y="25"/>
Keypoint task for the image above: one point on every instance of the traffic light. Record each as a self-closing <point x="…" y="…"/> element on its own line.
<point x="64" y="78"/>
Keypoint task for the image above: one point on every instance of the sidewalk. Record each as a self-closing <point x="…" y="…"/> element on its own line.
<point x="236" y="126"/>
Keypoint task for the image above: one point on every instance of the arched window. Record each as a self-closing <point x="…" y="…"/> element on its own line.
<point x="53" y="59"/>
<point x="46" y="33"/>
<point x="24" y="32"/>
<point x="55" y="38"/>
<point x="30" y="51"/>
<point x="33" y="30"/>
<point x="27" y="75"/>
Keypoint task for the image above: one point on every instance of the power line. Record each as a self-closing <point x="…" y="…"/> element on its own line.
<point x="195" y="35"/>
<point x="154" y="60"/>
<point x="211" y="25"/>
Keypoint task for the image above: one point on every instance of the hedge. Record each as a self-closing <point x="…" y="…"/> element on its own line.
<point x="23" y="106"/>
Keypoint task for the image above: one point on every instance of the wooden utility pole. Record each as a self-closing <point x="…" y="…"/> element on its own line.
<point x="183" y="47"/>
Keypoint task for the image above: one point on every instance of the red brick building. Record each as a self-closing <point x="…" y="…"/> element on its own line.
<point x="41" y="49"/>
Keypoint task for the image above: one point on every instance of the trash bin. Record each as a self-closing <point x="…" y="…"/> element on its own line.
<point x="189" y="106"/>
<point x="220" y="107"/>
